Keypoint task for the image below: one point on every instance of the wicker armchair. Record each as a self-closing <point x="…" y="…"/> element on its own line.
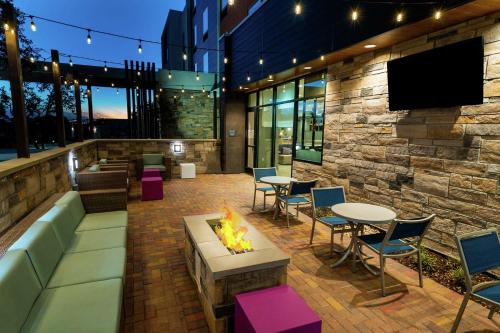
<point x="98" y="201"/>
<point x="166" y="163"/>
<point x="102" y="180"/>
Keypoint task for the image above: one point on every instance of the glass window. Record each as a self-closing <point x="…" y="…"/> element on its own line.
<point x="312" y="85"/>
<point x="265" y="140"/>
<point x="195" y="34"/>
<point x="285" y="92"/>
<point x="266" y="96"/>
<point x="310" y="123"/>
<point x="284" y="138"/>
<point x="205" y="62"/>
<point x="205" y="21"/>
<point x="252" y="100"/>
<point x="223" y="4"/>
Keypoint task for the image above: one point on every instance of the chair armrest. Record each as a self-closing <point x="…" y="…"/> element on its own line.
<point x="110" y="167"/>
<point x="102" y="180"/>
<point x="98" y="201"/>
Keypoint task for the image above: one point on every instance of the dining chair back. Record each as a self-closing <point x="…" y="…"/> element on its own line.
<point x="258" y="173"/>
<point x="301" y="187"/>
<point x="479" y="252"/>
<point x="409" y="228"/>
<point x="326" y="197"/>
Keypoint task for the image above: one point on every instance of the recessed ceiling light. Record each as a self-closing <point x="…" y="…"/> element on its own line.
<point x="270" y="80"/>
<point x="307" y="67"/>
<point x="246" y="88"/>
<point x="370" y="46"/>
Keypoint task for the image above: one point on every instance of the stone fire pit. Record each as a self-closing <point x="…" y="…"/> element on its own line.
<point x="220" y="274"/>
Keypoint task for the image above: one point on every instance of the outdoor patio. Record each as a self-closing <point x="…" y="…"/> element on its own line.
<point x="161" y="296"/>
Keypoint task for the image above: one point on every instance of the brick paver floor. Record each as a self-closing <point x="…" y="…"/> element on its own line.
<point x="161" y="297"/>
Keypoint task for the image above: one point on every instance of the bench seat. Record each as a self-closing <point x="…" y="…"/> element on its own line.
<point x="95" y="221"/>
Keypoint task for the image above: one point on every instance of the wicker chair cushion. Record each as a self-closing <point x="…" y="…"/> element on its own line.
<point x="152" y="159"/>
<point x="103" y="161"/>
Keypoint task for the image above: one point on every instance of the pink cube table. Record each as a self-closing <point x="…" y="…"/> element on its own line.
<point x="152" y="188"/>
<point x="151" y="173"/>
<point x="277" y="309"/>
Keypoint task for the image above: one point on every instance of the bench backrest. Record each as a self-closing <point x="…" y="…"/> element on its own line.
<point x="19" y="289"/>
<point x="62" y="222"/>
<point x="152" y="159"/>
<point x="43" y="249"/>
<point x="74" y="202"/>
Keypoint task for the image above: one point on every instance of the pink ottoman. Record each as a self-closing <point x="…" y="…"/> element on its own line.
<point x="277" y="309"/>
<point x="151" y="173"/>
<point x="152" y="188"/>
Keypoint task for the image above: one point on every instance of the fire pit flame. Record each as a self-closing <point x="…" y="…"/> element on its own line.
<point x="232" y="234"/>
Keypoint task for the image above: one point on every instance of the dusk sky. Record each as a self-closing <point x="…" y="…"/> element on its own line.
<point x="143" y="19"/>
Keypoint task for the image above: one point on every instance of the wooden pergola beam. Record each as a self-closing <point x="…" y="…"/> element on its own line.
<point x="91" y="110"/>
<point x="78" y="108"/>
<point x="56" y="77"/>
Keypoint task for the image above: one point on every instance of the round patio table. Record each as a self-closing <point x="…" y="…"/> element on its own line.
<point x="280" y="186"/>
<point x="357" y="215"/>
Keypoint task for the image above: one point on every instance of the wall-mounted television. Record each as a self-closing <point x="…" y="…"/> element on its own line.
<point x="447" y="76"/>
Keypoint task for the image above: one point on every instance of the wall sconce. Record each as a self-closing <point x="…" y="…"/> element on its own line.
<point x="177" y="148"/>
<point x="75" y="164"/>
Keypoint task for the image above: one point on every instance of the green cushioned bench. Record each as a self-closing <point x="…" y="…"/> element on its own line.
<point x="66" y="272"/>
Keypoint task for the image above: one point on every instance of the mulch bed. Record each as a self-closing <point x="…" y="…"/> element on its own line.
<point x="440" y="268"/>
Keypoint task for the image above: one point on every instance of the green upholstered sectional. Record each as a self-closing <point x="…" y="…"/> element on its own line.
<point x="66" y="272"/>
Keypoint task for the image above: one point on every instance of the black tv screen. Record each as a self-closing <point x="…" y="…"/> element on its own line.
<point x="447" y="76"/>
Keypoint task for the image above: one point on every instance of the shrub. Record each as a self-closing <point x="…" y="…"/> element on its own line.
<point x="428" y="260"/>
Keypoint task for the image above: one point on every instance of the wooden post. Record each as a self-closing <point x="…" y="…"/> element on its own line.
<point x="148" y="100"/>
<point x="139" y="104"/>
<point x="143" y="99"/>
<point x="129" y="113"/>
<point x="91" y="110"/>
<point x="78" y="107"/>
<point x="156" y="91"/>
<point x="56" y="76"/>
<point x="134" y="111"/>
<point x="15" y="72"/>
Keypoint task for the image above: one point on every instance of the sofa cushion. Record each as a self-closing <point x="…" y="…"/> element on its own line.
<point x="150" y="159"/>
<point x="81" y="308"/>
<point x="156" y="166"/>
<point x="89" y="266"/>
<point x="98" y="239"/>
<point x="74" y="202"/>
<point x="103" y="161"/>
<point x="43" y="248"/>
<point x="94" y="168"/>
<point x="63" y="223"/>
<point x="104" y="220"/>
<point x="19" y="288"/>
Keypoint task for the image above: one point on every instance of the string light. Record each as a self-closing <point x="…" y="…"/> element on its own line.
<point x="261" y="60"/>
<point x="6" y="26"/>
<point x="354" y="15"/>
<point x="139" y="49"/>
<point x="89" y="39"/>
<point x="437" y="14"/>
<point x="322" y="57"/>
<point x="226" y="60"/>
<point x="105" y="67"/>
<point x="86" y="80"/>
<point x="230" y="2"/>
<point x="97" y="89"/>
<point x="182" y="90"/>
<point x="32" y="24"/>
<point x="70" y="61"/>
<point x="161" y="89"/>
<point x="32" y="60"/>
<point x="203" y="89"/>
<point x="248" y="77"/>
<point x="138" y="73"/>
<point x="223" y="79"/>
<point x="65" y="82"/>
<point x="294" y="59"/>
<point x="197" y="76"/>
<point x="45" y="68"/>
<point x="169" y="75"/>
<point x="117" y="91"/>
<point x="112" y="84"/>
<point x="298" y="7"/>
<point x="184" y="55"/>
<point x="399" y="16"/>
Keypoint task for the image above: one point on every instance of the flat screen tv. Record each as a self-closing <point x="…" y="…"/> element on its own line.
<point x="447" y="76"/>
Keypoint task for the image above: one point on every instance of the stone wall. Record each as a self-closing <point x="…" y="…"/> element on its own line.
<point x="444" y="161"/>
<point x="204" y="153"/>
<point x="187" y="115"/>
<point x="25" y="183"/>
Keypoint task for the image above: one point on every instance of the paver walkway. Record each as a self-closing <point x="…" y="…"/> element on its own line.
<point x="161" y="297"/>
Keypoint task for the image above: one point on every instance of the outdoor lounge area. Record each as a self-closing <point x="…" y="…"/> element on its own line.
<point x="341" y="178"/>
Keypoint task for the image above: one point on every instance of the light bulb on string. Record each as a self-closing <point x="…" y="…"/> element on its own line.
<point x="45" y="68"/>
<point x="182" y="90"/>
<point x="248" y="77"/>
<point x="197" y="76"/>
<point x="261" y="60"/>
<point x="230" y="2"/>
<point x="32" y="24"/>
<point x="203" y="88"/>
<point x="117" y="91"/>
<point x="139" y="49"/>
<point x="70" y="61"/>
<point x="105" y="67"/>
<point x="298" y="7"/>
<point x="112" y="84"/>
<point x="437" y="14"/>
<point x="226" y="60"/>
<point x="32" y="59"/>
<point x="223" y="79"/>
<point x="6" y="26"/>
<point x="169" y="75"/>
<point x="399" y="16"/>
<point x="294" y="59"/>
<point x="97" y="89"/>
<point x="138" y="73"/>
<point x="355" y="14"/>
<point x="184" y="55"/>
<point x="89" y="39"/>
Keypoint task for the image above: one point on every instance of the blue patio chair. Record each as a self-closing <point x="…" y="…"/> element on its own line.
<point x="479" y="252"/>
<point x="258" y="173"/>
<point x="297" y="196"/>
<point x="325" y="198"/>
<point x="403" y="238"/>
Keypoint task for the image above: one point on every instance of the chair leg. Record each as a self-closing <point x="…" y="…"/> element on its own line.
<point x="287" y="217"/>
<point x="265" y="200"/>
<point x="254" y="195"/>
<point x="297" y="211"/>
<point x="460" y="313"/>
<point x="342" y="234"/>
<point x="382" y="276"/>
<point x="490" y="315"/>
<point x="312" y="230"/>
<point x="420" y="273"/>
<point x="331" y="242"/>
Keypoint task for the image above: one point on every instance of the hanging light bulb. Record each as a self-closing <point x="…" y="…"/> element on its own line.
<point x="112" y="84"/>
<point x="6" y="26"/>
<point x="399" y="16"/>
<point x="184" y="55"/>
<point x="241" y="87"/>
<point x="230" y="2"/>
<point x="223" y="79"/>
<point x="261" y="60"/>
<point x="89" y="39"/>
<point x="117" y="91"/>
<point x="192" y="96"/>
<point x="294" y="59"/>
<point x="161" y="89"/>
<point x="197" y="76"/>
<point x="298" y="7"/>
<point x="86" y="80"/>
<point x="32" y="24"/>
<point x="223" y="89"/>
<point x="437" y="14"/>
<point x="322" y="57"/>
<point x="138" y="73"/>
<point x="97" y="89"/>
<point x="169" y="75"/>
<point x="203" y="88"/>
<point x="105" y="67"/>
<point x="354" y="14"/>
<point x="182" y="90"/>
<point x="139" y="49"/>
<point x="32" y="60"/>
<point x="226" y="60"/>
<point x="65" y="82"/>
<point x="45" y="68"/>
<point x="70" y="61"/>
<point x="248" y="77"/>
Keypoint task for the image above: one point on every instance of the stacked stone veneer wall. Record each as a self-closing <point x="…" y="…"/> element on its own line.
<point x="24" y="189"/>
<point x="205" y="154"/>
<point x="444" y="161"/>
<point x="188" y="115"/>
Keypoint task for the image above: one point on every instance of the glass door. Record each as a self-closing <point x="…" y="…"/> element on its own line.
<point x="250" y="139"/>
<point x="284" y="138"/>
<point x="265" y="141"/>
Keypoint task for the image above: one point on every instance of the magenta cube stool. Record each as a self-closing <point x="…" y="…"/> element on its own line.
<point x="277" y="309"/>
<point x="151" y="173"/>
<point x="152" y="188"/>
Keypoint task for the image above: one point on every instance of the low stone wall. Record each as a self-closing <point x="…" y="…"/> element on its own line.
<point x="444" y="160"/>
<point x="25" y="183"/>
<point x="205" y="154"/>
